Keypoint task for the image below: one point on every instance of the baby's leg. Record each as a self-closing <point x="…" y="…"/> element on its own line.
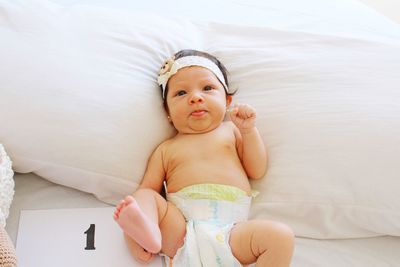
<point x="267" y="243"/>
<point x="151" y="222"/>
<point x="138" y="217"/>
<point x="173" y="231"/>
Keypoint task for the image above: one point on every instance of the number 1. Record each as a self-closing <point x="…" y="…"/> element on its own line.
<point x="90" y="237"/>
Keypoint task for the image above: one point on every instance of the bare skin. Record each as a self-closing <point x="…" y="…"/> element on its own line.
<point x="205" y="150"/>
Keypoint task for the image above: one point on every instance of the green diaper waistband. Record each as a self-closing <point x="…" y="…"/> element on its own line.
<point x="213" y="191"/>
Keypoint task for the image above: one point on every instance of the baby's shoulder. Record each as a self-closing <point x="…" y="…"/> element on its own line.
<point x="231" y="127"/>
<point x="164" y="145"/>
<point x="228" y="125"/>
<point x="168" y="144"/>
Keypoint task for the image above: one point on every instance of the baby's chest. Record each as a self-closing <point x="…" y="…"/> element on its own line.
<point x="203" y="148"/>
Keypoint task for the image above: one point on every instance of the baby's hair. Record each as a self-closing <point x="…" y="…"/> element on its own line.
<point x="191" y="52"/>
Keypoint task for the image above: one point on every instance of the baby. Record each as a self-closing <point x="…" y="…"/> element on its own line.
<point x="206" y="167"/>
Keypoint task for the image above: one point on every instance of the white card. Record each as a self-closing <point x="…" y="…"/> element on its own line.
<point x="73" y="237"/>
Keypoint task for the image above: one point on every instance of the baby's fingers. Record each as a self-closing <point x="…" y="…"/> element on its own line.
<point x="246" y="111"/>
<point x="232" y="112"/>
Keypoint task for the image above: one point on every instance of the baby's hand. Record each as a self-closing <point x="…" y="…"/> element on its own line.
<point x="243" y="116"/>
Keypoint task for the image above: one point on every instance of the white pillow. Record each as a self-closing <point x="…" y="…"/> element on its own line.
<point x="79" y="101"/>
<point x="80" y="106"/>
<point x="329" y="113"/>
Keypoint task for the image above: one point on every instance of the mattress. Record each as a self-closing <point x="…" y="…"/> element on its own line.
<point x="33" y="192"/>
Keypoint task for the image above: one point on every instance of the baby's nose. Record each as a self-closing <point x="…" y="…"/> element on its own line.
<point x="196" y="98"/>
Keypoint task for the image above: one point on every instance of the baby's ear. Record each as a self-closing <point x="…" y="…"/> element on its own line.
<point x="228" y="100"/>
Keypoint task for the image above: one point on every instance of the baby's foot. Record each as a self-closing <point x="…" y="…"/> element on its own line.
<point x="135" y="224"/>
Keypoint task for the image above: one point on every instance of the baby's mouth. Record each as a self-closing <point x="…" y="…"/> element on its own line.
<point x="198" y="113"/>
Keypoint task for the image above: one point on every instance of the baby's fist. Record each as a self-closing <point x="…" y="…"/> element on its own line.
<point x="243" y="116"/>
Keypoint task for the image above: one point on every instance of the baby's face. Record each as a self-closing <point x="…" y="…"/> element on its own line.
<point x="196" y="100"/>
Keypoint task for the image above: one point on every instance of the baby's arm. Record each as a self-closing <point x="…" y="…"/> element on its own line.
<point x="250" y="145"/>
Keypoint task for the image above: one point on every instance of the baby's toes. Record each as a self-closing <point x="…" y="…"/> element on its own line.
<point x="121" y="204"/>
<point x="128" y="200"/>
<point x="118" y="208"/>
<point x="116" y="214"/>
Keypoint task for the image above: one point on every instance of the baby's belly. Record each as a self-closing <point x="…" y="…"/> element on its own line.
<point x="183" y="178"/>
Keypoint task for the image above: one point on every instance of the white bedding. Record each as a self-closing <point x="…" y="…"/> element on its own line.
<point x="32" y="192"/>
<point x="324" y="83"/>
<point x="325" y="90"/>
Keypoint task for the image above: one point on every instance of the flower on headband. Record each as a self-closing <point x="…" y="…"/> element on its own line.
<point x="167" y="66"/>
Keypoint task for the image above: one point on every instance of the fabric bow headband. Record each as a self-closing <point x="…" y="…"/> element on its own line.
<point x="171" y="67"/>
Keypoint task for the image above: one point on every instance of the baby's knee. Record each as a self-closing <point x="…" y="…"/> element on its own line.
<point x="144" y="191"/>
<point x="149" y="194"/>
<point x="284" y="229"/>
<point x="284" y="235"/>
<point x="279" y="233"/>
<point x="287" y="233"/>
<point x="150" y="199"/>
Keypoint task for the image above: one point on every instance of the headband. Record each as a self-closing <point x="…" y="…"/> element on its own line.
<point x="171" y="67"/>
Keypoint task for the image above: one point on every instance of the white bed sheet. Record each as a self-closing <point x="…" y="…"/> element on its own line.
<point x="33" y="192"/>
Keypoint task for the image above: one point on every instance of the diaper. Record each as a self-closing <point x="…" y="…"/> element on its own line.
<point x="210" y="210"/>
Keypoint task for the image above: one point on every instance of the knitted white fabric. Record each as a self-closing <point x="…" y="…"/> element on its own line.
<point x="8" y="257"/>
<point x="6" y="185"/>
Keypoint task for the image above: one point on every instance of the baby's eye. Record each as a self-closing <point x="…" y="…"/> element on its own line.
<point x="207" y="88"/>
<point x="180" y="93"/>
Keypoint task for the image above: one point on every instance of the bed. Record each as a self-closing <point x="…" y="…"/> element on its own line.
<point x="80" y="111"/>
<point x="33" y="192"/>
